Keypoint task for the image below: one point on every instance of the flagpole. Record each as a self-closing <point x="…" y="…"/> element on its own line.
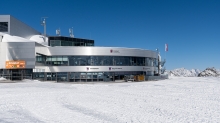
<point x="165" y="55"/>
<point x="165" y="51"/>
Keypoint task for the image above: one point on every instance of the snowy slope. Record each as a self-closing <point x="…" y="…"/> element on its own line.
<point x="176" y="100"/>
<point x="209" y="72"/>
<point x="184" y="72"/>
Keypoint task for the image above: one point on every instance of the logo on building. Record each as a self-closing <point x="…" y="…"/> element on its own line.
<point x="87" y="68"/>
<point x="110" y="68"/>
<point x="145" y="68"/>
<point x="114" y="51"/>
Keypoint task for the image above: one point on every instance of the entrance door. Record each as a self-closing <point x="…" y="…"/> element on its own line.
<point x="54" y="76"/>
<point x="16" y="74"/>
<point x="48" y="76"/>
<point x="109" y="76"/>
<point x="119" y="76"/>
<point x="51" y="76"/>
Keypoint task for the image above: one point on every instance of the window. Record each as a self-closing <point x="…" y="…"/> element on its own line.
<point x="121" y="61"/>
<point x="48" y="60"/>
<point x="55" y="43"/>
<point x="95" y="60"/>
<point x="40" y="59"/>
<point x="62" y="76"/>
<point x="66" y="43"/>
<point x="3" y="26"/>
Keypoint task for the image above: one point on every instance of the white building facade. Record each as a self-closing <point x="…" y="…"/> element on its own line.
<point x="25" y="54"/>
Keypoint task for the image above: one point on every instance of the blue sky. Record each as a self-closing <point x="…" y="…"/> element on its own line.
<point x="191" y="28"/>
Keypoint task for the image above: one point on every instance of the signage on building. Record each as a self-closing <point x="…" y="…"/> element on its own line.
<point x="146" y="68"/>
<point x="15" y="64"/>
<point x="115" y="68"/>
<point x="91" y="68"/>
<point x="114" y="51"/>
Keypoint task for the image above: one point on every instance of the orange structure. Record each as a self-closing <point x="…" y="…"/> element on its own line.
<point x="15" y="64"/>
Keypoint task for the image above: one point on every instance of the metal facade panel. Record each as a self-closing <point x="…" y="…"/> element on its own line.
<point x="19" y="28"/>
<point x="18" y="51"/>
<point x="41" y="49"/>
<point x="97" y="51"/>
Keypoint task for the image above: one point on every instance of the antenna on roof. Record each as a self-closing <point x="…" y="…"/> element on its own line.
<point x="58" y="32"/>
<point x="71" y="32"/>
<point x="43" y="23"/>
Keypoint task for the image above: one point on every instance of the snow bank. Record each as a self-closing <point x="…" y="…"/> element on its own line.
<point x="2" y="79"/>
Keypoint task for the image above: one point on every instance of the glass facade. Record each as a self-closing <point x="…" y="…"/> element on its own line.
<point x="94" y="61"/>
<point x="39" y="76"/>
<point x="16" y="74"/>
<point x="68" y="41"/>
<point x="84" y="76"/>
<point x="43" y="60"/>
<point x="3" y="26"/>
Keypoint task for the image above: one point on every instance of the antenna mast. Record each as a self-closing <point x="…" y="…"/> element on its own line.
<point x="71" y="32"/>
<point x="58" y="32"/>
<point x="43" y="23"/>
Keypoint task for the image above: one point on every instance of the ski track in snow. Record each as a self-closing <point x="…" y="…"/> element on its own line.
<point x="178" y="99"/>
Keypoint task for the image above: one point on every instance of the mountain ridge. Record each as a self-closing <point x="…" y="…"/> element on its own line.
<point x="182" y="72"/>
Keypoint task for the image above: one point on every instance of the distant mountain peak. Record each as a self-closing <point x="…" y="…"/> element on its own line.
<point x="209" y="72"/>
<point x="184" y="72"/>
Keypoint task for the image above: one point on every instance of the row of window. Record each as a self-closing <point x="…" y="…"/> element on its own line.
<point x="69" y="43"/>
<point x="95" y="61"/>
<point x="70" y="39"/>
<point x="83" y="76"/>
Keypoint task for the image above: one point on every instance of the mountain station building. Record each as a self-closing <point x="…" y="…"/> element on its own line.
<point x="27" y="54"/>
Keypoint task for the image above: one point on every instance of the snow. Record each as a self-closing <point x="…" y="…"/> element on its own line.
<point x="34" y="38"/>
<point x="178" y="99"/>
<point x="9" y="38"/>
<point x="39" y="39"/>
<point x="2" y="79"/>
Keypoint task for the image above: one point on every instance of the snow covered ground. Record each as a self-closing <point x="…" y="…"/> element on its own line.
<point x="178" y="99"/>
